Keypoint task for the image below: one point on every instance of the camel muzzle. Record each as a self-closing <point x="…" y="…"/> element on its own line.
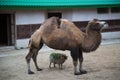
<point x="104" y="24"/>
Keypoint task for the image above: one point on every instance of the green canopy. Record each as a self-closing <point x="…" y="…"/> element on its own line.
<point x="57" y="4"/>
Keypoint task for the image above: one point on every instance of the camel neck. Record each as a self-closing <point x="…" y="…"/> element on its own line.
<point x="91" y="41"/>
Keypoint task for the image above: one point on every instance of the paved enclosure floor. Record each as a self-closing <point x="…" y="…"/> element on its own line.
<point x="103" y="64"/>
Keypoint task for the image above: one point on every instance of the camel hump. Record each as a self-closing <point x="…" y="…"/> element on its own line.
<point x="72" y="30"/>
<point x="65" y="20"/>
<point x="52" y="21"/>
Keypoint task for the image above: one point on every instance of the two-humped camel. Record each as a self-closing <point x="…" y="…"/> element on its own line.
<point x="62" y="34"/>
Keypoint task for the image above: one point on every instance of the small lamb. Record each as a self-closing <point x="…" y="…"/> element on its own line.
<point x="57" y="58"/>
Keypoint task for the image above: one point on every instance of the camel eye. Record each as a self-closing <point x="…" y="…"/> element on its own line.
<point x="97" y="24"/>
<point x="96" y="27"/>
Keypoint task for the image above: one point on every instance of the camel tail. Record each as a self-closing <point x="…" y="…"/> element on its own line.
<point x="30" y="43"/>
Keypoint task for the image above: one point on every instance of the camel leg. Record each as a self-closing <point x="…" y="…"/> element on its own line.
<point x="34" y="56"/>
<point x="82" y="71"/>
<point x="28" y="58"/>
<point x="74" y="55"/>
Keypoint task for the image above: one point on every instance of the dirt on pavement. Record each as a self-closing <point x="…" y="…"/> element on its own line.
<point x="103" y="64"/>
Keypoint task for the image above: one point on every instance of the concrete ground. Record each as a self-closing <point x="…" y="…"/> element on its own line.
<point x="103" y="64"/>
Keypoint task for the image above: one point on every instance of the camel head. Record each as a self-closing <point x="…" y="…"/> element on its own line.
<point x="93" y="37"/>
<point x="96" y="25"/>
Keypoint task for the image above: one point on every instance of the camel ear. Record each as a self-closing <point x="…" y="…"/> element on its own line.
<point x="95" y="19"/>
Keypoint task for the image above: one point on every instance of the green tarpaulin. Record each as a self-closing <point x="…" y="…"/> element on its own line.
<point x="55" y="4"/>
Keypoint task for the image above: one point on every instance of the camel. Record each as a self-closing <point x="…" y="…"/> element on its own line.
<point x="62" y="34"/>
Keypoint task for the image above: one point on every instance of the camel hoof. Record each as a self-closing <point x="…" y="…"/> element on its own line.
<point x="83" y="72"/>
<point x="30" y="72"/>
<point x="77" y="73"/>
<point x="39" y="69"/>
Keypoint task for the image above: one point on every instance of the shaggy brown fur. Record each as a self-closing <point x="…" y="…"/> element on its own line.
<point x="62" y="34"/>
<point x="57" y="58"/>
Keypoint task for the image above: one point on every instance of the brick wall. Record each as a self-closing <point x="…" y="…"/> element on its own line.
<point x="25" y="31"/>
